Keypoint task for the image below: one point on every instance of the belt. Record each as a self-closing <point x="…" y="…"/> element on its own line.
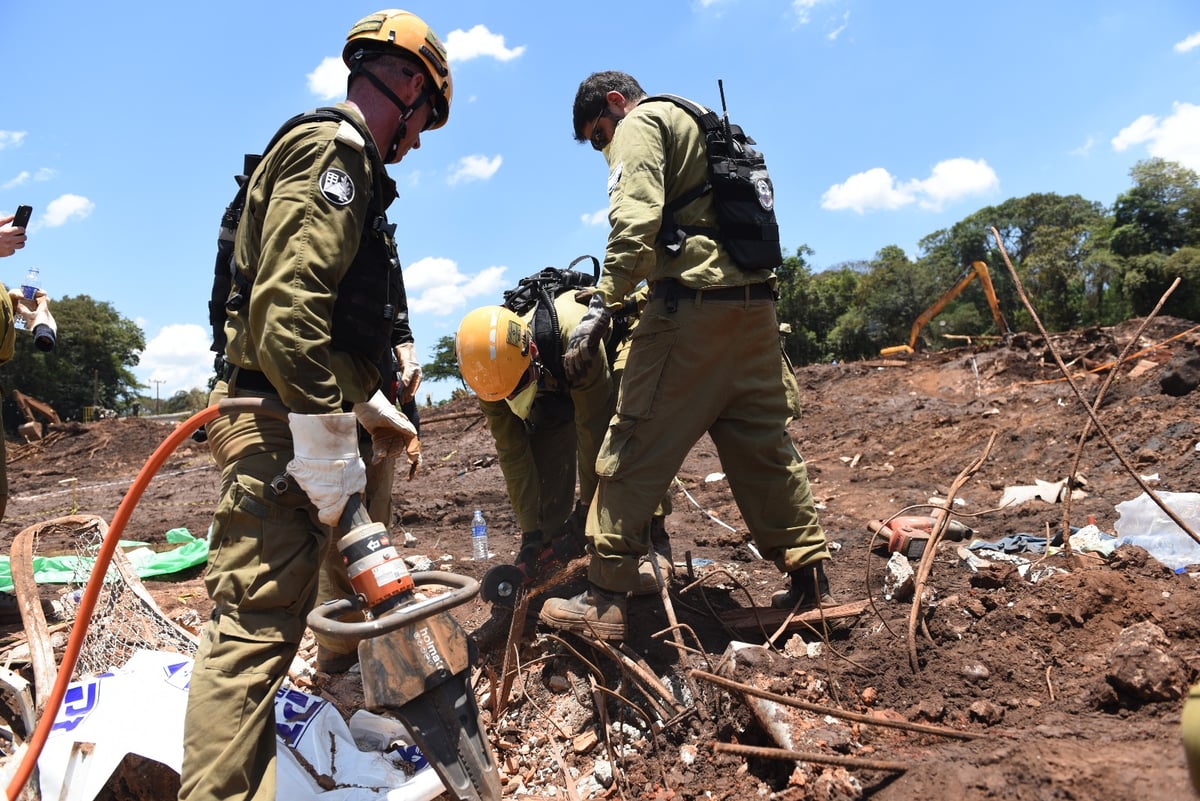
<point x="251" y="380"/>
<point x="670" y="288"/>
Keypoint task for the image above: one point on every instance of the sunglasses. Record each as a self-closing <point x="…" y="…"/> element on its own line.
<point x="434" y="116"/>
<point x="598" y="140"/>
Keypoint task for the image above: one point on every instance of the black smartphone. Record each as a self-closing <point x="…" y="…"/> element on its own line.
<point x="21" y="219"/>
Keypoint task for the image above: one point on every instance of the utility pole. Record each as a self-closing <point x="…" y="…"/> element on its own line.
<point x="157" y="383"/>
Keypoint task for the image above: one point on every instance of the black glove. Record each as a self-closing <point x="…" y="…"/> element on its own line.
<point x="585" y="340"/>
<point x="532" y="545"/>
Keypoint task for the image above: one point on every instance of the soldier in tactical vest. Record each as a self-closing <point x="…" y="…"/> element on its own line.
<point x="319" y="282"/>
<point x="705" y="354"/>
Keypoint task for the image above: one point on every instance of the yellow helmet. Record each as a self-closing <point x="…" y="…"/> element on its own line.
<point x="492" y="346"/>
<point x="391" y="29"/>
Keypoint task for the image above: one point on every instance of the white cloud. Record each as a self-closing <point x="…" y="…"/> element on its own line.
<point x="866" y="191"/>
<point x="479" y="41"/>
<point x="16" y="180"/>
<point x="328" y="80"/>
<point x="804" y="9"/>
<point x="599" y="217"/>
<point x="1187" y="44"/>
<point x="877" y="189"/>
<point x="1176" y="138"/>
<point x="475" y="168"/>
<point x="954" y="179"/>
<point x="436" y="286"/>
<point x="1085" y="149"/>
<point x="836" y="32"/>
<point x="179" y="357"/>
<point x="66" y="207"/>
<point x="11" y="138"/>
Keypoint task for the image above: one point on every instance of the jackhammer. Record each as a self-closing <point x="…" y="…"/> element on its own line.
<point x="415" y="656"/>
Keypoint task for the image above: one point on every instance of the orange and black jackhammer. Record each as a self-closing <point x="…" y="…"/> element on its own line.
<point x="414" y="656"/>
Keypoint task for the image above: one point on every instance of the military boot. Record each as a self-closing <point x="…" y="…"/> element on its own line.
<point x="598" y="612"/>
<point x="660" y="550"/>
<point x="809" y="589"/>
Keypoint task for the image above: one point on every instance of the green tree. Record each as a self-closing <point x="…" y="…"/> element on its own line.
<point x="444" y="364"/>
<point x="811" y="303"/>
<point x="1160" y="213"/>
<point x="89" y="365"/>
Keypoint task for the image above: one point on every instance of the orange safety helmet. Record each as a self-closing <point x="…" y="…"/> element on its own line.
<point x="492" y="346"/>
<point x="393" y="29"/>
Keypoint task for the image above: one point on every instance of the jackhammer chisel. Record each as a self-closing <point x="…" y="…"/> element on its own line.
<point x="413" y="654"/>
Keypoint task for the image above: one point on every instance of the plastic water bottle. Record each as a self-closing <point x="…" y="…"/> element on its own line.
<point x="479" y="543"/>
<point x="32" y="283"/>
<point x="29" y="288"/>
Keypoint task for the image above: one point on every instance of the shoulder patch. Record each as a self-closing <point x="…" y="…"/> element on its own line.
<point x="614" y="177"/>
<point x="349" y="135"/>
<point x="337" y="187"/>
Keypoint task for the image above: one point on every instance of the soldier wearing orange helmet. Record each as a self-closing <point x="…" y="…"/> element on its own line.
<point x="310" y="323"/>
<point x="514" y="365"/>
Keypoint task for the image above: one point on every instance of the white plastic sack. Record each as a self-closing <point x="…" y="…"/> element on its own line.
<point x="1142" y="522"/>
<point x="139" y="709"/>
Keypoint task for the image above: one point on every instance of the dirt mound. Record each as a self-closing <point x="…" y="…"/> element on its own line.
<point x="1019" y="676"/>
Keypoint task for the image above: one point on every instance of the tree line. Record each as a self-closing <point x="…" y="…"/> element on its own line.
<point x="1079" y="262"/>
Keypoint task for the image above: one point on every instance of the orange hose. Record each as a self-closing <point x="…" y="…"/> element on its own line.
<point x="91" y="593"/>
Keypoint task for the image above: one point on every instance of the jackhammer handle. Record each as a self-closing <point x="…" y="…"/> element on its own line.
<point x="354" y="514"/>
<point x="323" y="619"/>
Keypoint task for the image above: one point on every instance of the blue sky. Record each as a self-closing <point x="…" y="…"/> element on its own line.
<point x="881" y="122"/>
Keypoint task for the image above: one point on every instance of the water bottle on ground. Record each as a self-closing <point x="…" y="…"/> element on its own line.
<point x="29" y="288"/>
<point x="479" y="543"/>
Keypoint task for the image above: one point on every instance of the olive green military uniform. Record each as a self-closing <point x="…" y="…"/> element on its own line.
<point x="697" y="363"/>
<point x="305" y="212"/>
<point x="535" y="450"/>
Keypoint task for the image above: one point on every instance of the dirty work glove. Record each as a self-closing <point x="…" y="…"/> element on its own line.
<point x="391" y="432"/>
<point x="585" y="340"/>
<point x="410" y="371"/>
<point x="326" y="464"/>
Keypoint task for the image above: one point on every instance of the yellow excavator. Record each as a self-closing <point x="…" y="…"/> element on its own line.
<point x="31" y="429"/>
<point x="977" y="270"/>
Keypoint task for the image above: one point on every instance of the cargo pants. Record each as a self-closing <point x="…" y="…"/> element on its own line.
<point x="702" y="366"/>
<point x="264" y="554"/>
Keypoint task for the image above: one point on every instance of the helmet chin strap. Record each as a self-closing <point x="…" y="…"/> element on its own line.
<point x="405" y="109"/>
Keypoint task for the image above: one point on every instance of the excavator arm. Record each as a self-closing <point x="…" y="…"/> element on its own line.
<point x="978" y="270"/>
<point x="31" y="429"/>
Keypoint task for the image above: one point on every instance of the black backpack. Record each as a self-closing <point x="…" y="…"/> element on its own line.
<point x="229" y="289"/>
<point x="540" y="290"/>
<point x="742" y="191"/>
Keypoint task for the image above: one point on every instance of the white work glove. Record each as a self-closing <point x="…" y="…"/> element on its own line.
<point x="585" y="339"/>
<point x="326" y="463"/>
<point x="391" y="432"/>
<point x="410" y="371"/>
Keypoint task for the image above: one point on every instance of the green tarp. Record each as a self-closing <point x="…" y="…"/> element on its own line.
<point x="76" y="569"/>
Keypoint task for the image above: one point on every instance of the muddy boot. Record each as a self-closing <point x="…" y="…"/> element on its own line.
<point x="809" y="589"/>
<point x="598" y="612"/>
<point x="660" y="550"/>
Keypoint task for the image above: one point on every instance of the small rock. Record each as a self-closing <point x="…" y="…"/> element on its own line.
<point x="602" y="772"/>
<point x="986" y="712"/>
<point x="976" y="672"/>
<point x="869" y="696"/>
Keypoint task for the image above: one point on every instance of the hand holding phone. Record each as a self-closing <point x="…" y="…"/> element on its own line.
<point x="21" y="218"/>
